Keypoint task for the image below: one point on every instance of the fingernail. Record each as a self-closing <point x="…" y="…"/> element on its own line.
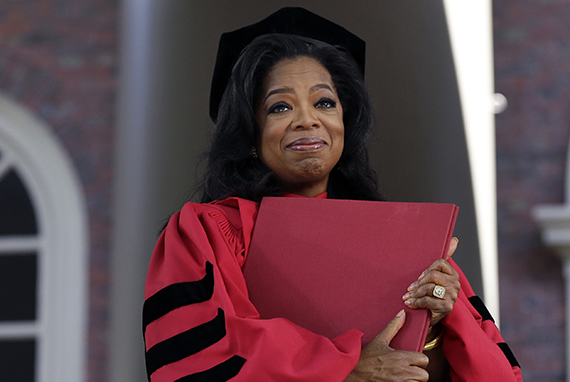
<point x="408" y="302"/>
<point x="400" y="313"/>
<point x="406" y="296"/>
<point x="412" y="287"/>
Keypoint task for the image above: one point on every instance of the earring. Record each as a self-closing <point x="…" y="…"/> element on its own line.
<point x="253" y="152"/>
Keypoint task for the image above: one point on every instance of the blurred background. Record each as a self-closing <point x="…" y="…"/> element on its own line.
<point x="103" y="117"/>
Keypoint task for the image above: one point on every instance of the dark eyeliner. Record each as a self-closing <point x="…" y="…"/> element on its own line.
<point x="330" y="101"/>
<point x="271" y="109"/>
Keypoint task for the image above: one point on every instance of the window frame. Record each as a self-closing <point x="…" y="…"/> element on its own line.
<point x="32" y="149"/>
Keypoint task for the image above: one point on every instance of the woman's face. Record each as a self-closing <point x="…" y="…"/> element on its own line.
<point x="301" y="130"/>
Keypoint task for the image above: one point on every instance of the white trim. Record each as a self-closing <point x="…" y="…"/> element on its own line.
<point x="60" y="207"/>
<point x="470" y="30"/>
<point x="19" y="330"/>
<point x="19" y="244"/>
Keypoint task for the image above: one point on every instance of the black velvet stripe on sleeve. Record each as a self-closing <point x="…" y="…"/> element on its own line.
<point x="186" y="343"/>
<point x="509" y="354"/>
<point x="219" y="373"/>
<point x="481" y="308"/>
<point x="178" y="295"/>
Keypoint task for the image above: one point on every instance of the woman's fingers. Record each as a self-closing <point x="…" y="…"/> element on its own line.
<point x="379" y="362"/>
<point x="380" y="345"/>
<point x="435" y="305"/>
<point x="440" y="272"/>
<point x="424" y="288"/>
<point x="436" y="289"/>
<point x="452" y="247"/>
<point x="393" y="327"/>
<point x="427" y="291"/>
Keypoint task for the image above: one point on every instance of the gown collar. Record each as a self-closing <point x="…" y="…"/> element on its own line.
<point x="320" y="196"/>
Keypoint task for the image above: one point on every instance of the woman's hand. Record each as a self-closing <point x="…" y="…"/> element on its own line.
<point x="379" y="362"/>
<point x="421" y="292"/>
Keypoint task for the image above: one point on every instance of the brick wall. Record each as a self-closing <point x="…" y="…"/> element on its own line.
<point x="532" y="69"/>
<point x="59" y="59"/>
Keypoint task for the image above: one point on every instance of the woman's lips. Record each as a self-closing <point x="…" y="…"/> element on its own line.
<point x="307" y="144"/>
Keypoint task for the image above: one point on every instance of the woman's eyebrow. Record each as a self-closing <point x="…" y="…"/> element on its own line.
<point x="316" y="87"/>
<point x="278" y="91"/>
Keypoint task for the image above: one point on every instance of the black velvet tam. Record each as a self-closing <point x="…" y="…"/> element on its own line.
<point x="290" y="20"/>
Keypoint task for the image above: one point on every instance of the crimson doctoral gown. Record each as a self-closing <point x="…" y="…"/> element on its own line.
<point x="199" y="324"/>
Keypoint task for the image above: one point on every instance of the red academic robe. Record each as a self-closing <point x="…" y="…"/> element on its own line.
<point x="199" y="324"/>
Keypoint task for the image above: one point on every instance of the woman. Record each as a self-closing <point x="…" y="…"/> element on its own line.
<point x="293" y="120"/>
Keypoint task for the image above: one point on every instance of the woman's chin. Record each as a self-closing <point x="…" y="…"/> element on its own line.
<point x="311" y="173"/>
<point x="312" y="167"/>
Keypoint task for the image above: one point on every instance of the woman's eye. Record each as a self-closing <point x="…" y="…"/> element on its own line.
<point x="279" y="108"/>
<point x="326" y="103"/>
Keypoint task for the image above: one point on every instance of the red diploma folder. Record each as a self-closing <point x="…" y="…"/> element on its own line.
<point x="334" y="265"/>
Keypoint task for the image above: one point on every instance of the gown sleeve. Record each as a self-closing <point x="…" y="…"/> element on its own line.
<point x="199" y="324"/>
<point x="472" y="343"/>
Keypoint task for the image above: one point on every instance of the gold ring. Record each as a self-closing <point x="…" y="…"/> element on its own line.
<point x="438" y="291"/>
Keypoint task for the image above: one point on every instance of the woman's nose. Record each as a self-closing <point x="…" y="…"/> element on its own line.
<point x="306" y="118"/>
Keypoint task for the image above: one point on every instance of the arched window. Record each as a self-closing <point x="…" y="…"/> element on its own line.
<point x="43" y="254"/>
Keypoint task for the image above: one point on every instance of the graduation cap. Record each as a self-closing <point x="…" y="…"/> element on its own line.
<point x="289" y="20"/>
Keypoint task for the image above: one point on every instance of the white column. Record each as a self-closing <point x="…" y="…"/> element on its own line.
<point x="156" y="150"/>
<point x="471" y="34"/>
<point x="131" y="232"/>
